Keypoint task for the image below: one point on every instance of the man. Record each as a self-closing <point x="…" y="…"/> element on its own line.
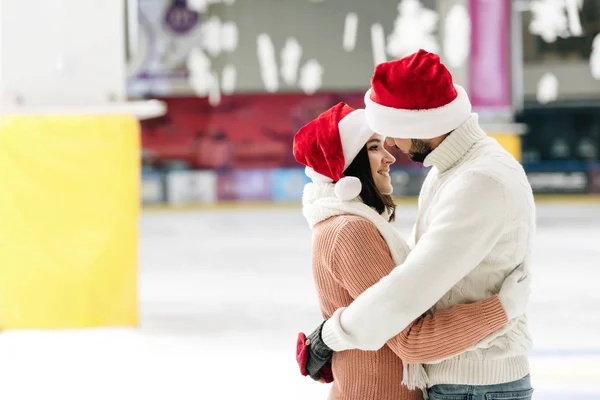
<point x="475" y="225"/>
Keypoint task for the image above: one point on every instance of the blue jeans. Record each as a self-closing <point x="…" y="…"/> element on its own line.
<point x="520" y="390"/>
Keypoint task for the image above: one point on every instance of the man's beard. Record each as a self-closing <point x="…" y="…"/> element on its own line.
<point x="419" y="150"/>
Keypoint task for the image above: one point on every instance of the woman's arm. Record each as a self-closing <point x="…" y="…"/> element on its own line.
<point x="361" y="257"/>
<point x="448" y="332"/>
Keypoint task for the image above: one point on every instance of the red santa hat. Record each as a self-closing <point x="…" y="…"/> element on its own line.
<point x="328" y="145"/>
<point x="414" y="98"/>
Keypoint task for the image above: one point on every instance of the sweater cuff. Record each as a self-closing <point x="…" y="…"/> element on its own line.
<point x="494" y="313"/>
<point x="333" y="335"/>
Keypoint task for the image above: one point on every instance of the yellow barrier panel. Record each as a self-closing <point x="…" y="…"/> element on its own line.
<point x="510" y="141"/>
<point x="69" y="208"/>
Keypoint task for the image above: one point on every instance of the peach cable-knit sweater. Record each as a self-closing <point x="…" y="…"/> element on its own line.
<point x="349" y="256"/>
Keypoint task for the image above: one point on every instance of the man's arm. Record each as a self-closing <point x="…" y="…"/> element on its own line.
<point x="467" y="222"/>
<point x="361" y="258"/>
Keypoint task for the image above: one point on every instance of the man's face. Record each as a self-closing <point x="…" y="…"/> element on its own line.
<point x="415" y="149"/>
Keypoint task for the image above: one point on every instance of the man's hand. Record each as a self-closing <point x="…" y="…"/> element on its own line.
<point x="515" y="292"/>
<point x="314" y="356"/>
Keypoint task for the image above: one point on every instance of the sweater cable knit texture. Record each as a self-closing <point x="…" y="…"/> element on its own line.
<point x="475" y="225"/>
<point x="351" y="252"/>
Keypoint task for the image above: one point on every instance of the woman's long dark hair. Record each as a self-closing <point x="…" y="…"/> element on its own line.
<point x="371" y="196"/>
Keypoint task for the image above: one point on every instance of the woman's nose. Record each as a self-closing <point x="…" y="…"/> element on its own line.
<point x="389" y="158"/>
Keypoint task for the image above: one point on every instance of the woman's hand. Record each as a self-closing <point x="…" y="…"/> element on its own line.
<point x="314" y="356"/>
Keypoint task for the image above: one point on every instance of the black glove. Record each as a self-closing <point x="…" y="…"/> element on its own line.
<point x="314" y="356"/>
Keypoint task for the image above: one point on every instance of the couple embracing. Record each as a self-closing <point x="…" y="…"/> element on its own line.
<point x="441" y="314"/>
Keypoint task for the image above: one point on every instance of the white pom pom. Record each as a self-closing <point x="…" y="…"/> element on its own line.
<point x="348" y="188"/>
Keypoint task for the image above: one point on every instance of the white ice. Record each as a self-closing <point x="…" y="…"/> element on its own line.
<point x="224" y="293"/>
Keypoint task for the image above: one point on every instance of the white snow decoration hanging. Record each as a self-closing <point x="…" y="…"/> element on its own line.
<point x="547" y="89"/>
<point x="198" y="60"/>
<point x="414" y="29"/>
<point x="200" y="6"/>
<point x="595" y="57"/>
<point x="198" y="65"/>
<point x="311" y="76"/>
<point x="290" y="60"/>
<point x="457" y="36"/>
<point x="378" y="44"/>
<point x="228" y="78"/>
<point x="211" y="36"/>
<point x="573" y="7"/>
<point x="267" y="62"/>
<point x="200" y="83"/>
<point x="214" y="93"/>
<point x="552" y="19"/>
<point x="350" y="29"/>
<point x="229" y="36"/>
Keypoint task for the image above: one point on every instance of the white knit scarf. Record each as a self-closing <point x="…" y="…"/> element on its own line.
<point x="319" y="203"/>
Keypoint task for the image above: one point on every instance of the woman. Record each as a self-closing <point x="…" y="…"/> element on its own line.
<point x="349" y="207"/>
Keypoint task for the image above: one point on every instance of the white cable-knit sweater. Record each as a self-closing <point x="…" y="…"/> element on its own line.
<point x="475" y="224"/>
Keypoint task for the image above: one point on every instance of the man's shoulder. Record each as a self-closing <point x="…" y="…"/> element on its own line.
<point x="496" y="164"/>
<point x="495" y="171"/>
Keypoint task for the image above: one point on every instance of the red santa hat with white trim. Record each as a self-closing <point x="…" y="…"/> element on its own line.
<point x="414" y="98"/>
<point x="328" y="144"/>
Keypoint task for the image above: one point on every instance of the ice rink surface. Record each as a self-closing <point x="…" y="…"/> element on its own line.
<point x="223" y="294"/>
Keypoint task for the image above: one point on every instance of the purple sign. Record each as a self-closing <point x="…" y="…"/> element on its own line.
<point x="594" y="181"/>
<point x="180" y="18"/>
<point x="244" y="185"/>
<point x="489" y="63"/>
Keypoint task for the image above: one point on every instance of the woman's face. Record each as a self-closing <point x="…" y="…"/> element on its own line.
<point x="380" y="160"/>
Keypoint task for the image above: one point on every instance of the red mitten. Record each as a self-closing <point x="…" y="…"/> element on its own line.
<point x="326" y="373"/>
<point x="302" y="353"/>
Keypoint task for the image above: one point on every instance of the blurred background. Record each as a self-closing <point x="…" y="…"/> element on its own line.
<point x="151" y="237"/>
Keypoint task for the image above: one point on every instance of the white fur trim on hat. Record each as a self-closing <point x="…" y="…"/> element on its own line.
<point x="417" y="124"/>
<point x="316" y="177"/>
<point x="354" y="133"/>
<point x="347" y="188"/>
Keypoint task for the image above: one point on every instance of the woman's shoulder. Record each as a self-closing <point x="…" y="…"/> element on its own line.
<point x="346" y="225"/>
